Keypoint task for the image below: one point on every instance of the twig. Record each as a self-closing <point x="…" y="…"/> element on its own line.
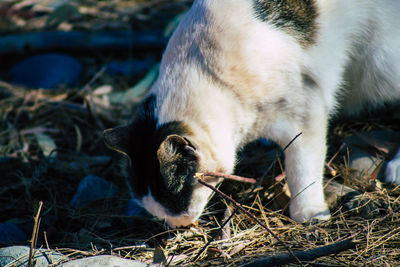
<point x="34" y="234"/>
<point x="227" y="176"/>
<point x="306" y="255"/>
<point x="328" y="164"/>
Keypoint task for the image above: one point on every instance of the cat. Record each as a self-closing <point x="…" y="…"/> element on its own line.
<point x="238" y="70"/>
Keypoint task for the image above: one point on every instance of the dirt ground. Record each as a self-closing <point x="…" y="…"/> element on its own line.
<point x="51" y="139"/>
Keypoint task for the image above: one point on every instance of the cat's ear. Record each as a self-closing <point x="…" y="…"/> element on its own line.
<point x="178" y="162"/>
<point x="118" y="139"/>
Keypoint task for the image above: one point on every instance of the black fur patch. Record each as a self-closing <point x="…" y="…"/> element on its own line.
<point x="144" y="172"/>
<point x="294" y="16"/>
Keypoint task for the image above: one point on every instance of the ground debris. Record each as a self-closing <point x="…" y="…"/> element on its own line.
<point x="71" y="121"/>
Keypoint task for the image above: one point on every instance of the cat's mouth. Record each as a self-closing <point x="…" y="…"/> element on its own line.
<point x="178" y="221"/>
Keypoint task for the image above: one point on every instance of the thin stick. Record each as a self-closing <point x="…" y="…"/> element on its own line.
<point x="328" y="164"/>
<point x="227" y="176"/>
<point x="34" y="234"/>
<point x="131" y="247"/>
<point x="306" y="255"/>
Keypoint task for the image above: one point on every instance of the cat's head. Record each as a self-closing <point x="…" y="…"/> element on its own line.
<point x="160" y="164"/>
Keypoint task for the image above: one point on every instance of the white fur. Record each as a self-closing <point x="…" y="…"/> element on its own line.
<point x="355" y="61"/>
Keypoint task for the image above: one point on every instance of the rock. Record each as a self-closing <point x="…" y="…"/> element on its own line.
<point x="19" y="256"/>
<point x="47" y="145"/>
<point x="106" y="261"/>
<point x="335" y="191"/>
<point x="364" y="163"/>
<point x="93" y="188"/>
<point x="47" y="71"/>
<point x="11" y="233"/>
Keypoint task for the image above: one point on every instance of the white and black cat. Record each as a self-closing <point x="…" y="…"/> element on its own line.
<point x="238" y="70"/>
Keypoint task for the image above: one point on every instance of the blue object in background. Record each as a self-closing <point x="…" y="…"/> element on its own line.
<point x="11" y="233"/>
<point x="47" y="71"/>
<point x="93" y="188"/>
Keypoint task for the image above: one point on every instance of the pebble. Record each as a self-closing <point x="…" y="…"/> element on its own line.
<point x="364" y="163"/>
<point x="19" y="256"/>
<point x="92" y="188"/>
<point x="47" y="71"/>
<point x="11" y="233"/>
<point x="106" y="261"/>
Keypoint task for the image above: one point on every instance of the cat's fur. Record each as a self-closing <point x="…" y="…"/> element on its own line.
<point x="238" y="70"/>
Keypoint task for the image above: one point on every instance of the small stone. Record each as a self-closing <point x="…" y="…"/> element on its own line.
<point x="364" y="163"/>
<point x="47" y="71"/>
<point x="19" y="256"/>
<point x="106" y="261"/>
<point x="10" y="233"/>
<point x="93" y="188"/>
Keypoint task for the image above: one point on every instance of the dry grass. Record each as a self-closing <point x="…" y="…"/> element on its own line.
<point x="101" y="229"/>
<point x="75" y="119"/>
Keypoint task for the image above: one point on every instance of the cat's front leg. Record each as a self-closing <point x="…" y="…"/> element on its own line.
<point x="304" y="164"/>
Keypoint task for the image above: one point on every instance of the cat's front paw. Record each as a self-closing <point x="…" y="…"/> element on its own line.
<point x="306" y="213"/>
<point x="392" y="172"/>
